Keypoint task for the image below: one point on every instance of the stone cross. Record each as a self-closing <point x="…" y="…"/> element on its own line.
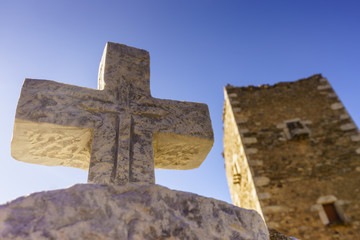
<point x="118" y="132"/>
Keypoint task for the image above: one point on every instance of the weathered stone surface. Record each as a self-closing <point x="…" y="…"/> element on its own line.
<point x="119" y="132"/>
<point x="275" y="235"/>
<point x="132" y="211"/>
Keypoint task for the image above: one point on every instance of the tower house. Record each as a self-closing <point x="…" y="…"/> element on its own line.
<point x="292" y="153"/>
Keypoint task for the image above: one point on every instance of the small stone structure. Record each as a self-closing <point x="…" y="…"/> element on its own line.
<point x="292" y="153"/>
<point x="119" y="132"/>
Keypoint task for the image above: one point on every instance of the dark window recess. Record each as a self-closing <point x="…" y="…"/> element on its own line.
<point x="331" y="213"/>
<point x="237" y="178"/>
<point x="297" y="130"/>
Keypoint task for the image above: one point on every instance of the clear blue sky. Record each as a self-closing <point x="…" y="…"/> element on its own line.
<point x="196" y="48"/>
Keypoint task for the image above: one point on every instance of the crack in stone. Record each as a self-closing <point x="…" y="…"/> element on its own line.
<point x="114" y="170"/>
<point x="131" y="150"/>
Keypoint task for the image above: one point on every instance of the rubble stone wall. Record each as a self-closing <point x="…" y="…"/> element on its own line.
<point x="296" y="169"/>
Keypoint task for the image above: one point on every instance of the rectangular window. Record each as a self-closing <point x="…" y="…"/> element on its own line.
<point x="296" y="129"/>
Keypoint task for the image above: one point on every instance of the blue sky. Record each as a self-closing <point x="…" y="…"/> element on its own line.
<point x="196" y="48"/>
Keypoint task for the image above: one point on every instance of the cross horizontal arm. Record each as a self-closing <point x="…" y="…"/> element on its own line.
<point x="182" y="132"/>
<point x="55" y="124"/>
<point x="57" y="103"/>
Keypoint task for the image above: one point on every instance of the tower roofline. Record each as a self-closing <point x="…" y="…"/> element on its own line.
<point x="314" y="77"/>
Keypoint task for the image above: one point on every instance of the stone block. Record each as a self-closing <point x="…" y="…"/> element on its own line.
<point x="242" y="131"/>
<point x="358" y="151"/>
<point x="355" y="138"/>
<point x="261" y="181"/>
<point x="256" y="162"/>
<point x="264" y="195"/>
<point x="332" y="95"/>
<point x="236" y="109"/>
<point x="251" y="150"/>
<point x="307" y="122"/>
<point x="337" y="106"/>
<point x="324" y="87"/>
<point x="323" y="80"/>
<point x="241" y="120"/>
<point x="348" y="127"/>
<point x="344" y="116"/>
<point x="275" y="209"/>
<point x="234" y="102"/>
<point x="249" y="140"/>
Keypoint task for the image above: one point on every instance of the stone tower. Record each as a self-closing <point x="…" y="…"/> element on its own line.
<point x="292" y="152"/>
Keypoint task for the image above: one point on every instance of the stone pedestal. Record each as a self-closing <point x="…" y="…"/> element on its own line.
<point x="132" y="211"/>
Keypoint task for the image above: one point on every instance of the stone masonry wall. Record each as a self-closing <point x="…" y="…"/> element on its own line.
<point x="239" y="176"/>
<point x="294" y="177"/>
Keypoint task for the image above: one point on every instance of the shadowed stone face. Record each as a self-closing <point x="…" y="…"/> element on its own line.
<point x="119" y="132"/>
